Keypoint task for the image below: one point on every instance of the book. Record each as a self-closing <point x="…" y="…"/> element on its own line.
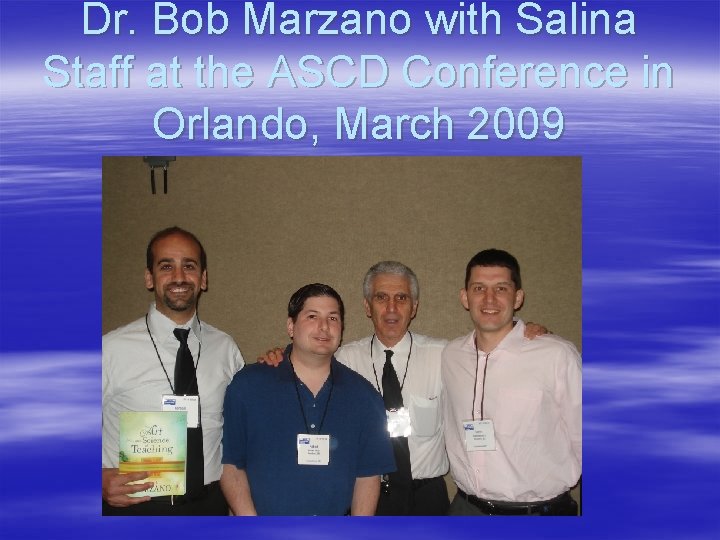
<point x="155" y="442"/>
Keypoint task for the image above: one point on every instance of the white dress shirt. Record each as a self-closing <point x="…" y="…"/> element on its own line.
<point x="533" y="395"/>
<point x="419" y="377"/>
<point x="134" y="379"/>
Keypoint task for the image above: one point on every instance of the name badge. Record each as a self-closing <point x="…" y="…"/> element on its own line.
<point x="189" y="404"/>
<point x="398" y="422"/>
<point x="479" y="435"/>
<point x="313" y="449"/>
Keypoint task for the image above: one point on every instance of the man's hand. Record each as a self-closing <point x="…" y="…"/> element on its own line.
<point x="365" y="496"/>
<point x="115" y="488"/>
<point x="533" y="330"/>
<point x="273" y="357"/>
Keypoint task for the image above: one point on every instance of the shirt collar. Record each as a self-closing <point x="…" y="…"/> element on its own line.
<point x="512" y="342"/>
<point x="162" y="326"/>
<point x="400" y="350"/>
<point x="286" y="369"/>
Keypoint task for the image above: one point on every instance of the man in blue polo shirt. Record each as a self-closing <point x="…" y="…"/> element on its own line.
<point x="308" y="437"/>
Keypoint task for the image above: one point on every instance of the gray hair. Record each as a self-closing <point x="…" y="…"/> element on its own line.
<point x="395" y="268"/>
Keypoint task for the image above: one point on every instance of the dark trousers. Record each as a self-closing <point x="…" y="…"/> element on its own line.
<point x="210" y="503"/>
<point x="563" y="505"/>
<point x="430" y="498"/>
<point x="426" y="497"/>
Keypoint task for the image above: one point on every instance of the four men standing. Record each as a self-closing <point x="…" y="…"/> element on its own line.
<point x="312" y="436"/>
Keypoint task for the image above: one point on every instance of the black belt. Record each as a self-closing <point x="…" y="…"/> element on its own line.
<point x="176" y="500"/>
<point x="504" y="508"/>
<point x="420" y="482"/>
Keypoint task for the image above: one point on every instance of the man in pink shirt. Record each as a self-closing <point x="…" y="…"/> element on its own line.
<point x="513" y="414"/>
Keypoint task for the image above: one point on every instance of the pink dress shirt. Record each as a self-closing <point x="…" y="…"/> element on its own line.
<point x="533" y="395"/>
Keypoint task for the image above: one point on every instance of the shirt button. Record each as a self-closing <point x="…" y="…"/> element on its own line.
<point x="312" y="426"/>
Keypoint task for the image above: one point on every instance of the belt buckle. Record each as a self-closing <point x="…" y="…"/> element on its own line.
<point x="492" y="509"/>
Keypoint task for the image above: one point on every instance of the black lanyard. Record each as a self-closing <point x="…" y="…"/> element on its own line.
<point x="407" y="364"/>
<point x="172" y="388"/>
<point x="302" y="409"/>
<point x="482" y="396"/>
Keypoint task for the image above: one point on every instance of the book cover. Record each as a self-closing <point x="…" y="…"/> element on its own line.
<point x="155" y="442"/>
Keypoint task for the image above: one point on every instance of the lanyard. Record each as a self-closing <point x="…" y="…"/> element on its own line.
<point x="482" y="396"/>
<point x="302" y="409"/>
<point x="407" y="364"/>
<point x="158" y="353"/>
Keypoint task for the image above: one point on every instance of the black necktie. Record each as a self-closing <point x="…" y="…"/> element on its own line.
<point x="396" y="496"/>
<point x="186" y="384"/>
<point x="391" y="385"/>
<point x="185" y="378"/>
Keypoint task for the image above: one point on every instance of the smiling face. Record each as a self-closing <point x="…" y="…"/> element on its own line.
<point x="391" y="307"/>
<point x="317" y="330"/>
<point x="176" y="277"/>
<point x="491" y="297"/>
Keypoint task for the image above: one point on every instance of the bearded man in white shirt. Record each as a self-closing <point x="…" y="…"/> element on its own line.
<point x="139" y="371"/>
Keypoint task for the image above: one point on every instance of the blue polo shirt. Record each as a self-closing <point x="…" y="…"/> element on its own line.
<point x="263" y="417"/>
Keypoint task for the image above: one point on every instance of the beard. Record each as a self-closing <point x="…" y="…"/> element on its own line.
<point x="183" y="302"/>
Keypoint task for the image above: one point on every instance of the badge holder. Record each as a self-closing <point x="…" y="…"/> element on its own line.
<point x="398" y="422"/>
<point x="189" y="404"/>
<point x="313" y="449"/>
<point x="479" y="435"/>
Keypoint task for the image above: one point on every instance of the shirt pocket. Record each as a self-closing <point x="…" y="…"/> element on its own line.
<point x="425" y="416"/>
<point x="517" y="413"/>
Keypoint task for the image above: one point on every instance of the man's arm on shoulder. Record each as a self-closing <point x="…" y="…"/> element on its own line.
<point x="272" y="357"/>
<point x="533" y="330"/>
<point x="115" y="488"/>
<point x="365" y="496"/>
<point x="236" y="488"/>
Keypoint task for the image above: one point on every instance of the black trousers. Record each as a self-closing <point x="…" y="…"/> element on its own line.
<point x="211" y="503"/>
<point x="430" y="498"/>
<point x="426" y="497"/>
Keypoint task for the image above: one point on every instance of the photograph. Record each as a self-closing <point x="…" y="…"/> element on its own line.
<point x="367" y="235"/>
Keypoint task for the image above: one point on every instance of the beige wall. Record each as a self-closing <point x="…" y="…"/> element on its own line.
<point x="271" y="225"/>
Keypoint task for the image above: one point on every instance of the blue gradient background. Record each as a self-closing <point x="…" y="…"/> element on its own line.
<point x="651" y="261"/>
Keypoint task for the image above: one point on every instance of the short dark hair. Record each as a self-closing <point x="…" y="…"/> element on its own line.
<point x="169" y="232"/>
<point x="297" y="300"/>
<point x="495" y="257"/>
